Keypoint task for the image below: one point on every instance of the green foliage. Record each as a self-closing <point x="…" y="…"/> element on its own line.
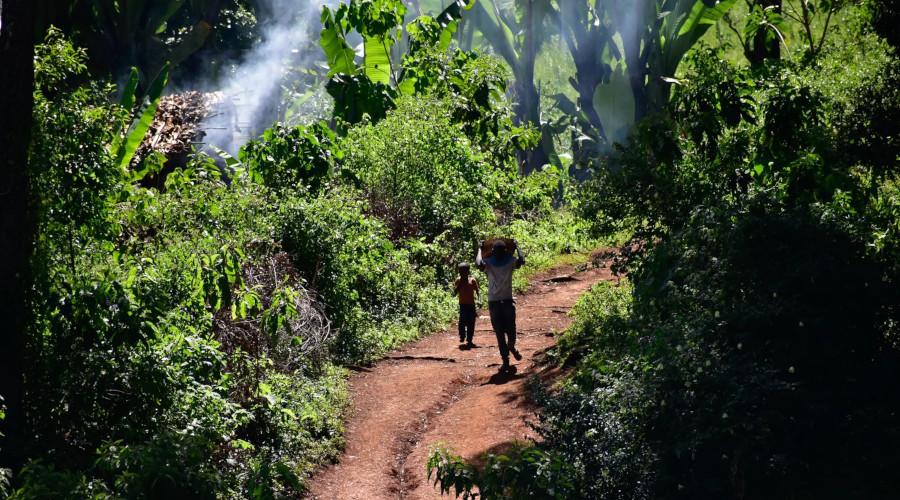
<point x="372" y="87"/>
<point x="123" y="148"/>
<point x="594" y="314"/>
<point x="289" y="158"/>
<point x="420" y="175"/>
<point x="377" y="22"/>
<point x="346" y="257"/>
<point x="763" y="366"/>
<point x="525" y="473"/>
<point x="73" y="176"/>
<point x="731" y="140"/>
<point x="865" y="131"/>
<point x="357" y="98"/>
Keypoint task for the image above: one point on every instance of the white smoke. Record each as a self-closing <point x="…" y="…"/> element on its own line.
<point x="252" y="93"/>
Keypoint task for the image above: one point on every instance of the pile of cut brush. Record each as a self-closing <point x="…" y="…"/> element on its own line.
<point x="176" y="127"/>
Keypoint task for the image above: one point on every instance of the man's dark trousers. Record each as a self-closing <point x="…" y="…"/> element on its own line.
<point x="466" y="322"/>
<point x="503" y="320"/>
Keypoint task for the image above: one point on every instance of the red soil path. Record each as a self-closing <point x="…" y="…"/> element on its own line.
<point x="437" y="390"/>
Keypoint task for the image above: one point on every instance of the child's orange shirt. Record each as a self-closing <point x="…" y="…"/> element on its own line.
<point x="467" y="290"/>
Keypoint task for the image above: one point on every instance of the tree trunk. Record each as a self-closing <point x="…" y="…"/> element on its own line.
<point x="761" y="47"/>
<point x="529" y="101"/>
<point x="17" y="20"/>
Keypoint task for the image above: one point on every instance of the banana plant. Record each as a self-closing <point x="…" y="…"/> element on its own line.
<point x="124" y="145"/>
<point x="681" y="24"/>
<point x="626" y="55"/>
<point x="516" y="35"/>
<point x="366" y="80"/>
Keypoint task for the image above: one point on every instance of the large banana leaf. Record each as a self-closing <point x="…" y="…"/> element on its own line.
<point x="338" y="53"/>
<point x="143" y="118"/>
<point x="377" y="61"/>
<point x="448" y="20"/>
<point x="127" y="102"/>
<point x="498" y="35"/>
<point x="684" y="25"/>
<point x="614" y="104"/>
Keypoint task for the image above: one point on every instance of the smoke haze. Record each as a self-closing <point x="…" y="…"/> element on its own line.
<point x="249" y="100"/>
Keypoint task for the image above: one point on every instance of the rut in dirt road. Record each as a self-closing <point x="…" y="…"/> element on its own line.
<point x="439" y="391"/>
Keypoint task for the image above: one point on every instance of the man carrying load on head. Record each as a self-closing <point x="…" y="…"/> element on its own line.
<point x="499" y="267"/>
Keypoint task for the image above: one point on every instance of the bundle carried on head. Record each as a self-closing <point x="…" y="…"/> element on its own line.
<point x="488" y="246"/>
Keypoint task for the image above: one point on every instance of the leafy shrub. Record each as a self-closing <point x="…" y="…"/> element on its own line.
<point x="74" y="179"/>
<point x="525" y="472"/>
<point x="420" y="174"/>
<point x="345" y="256"/>
<point x="594" y="315"/>
<point x="866" y="132"/>
<point x="770" y="333"/>
<point x="292" y="157"/>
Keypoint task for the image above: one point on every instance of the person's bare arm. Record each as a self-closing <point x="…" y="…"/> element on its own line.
<point x="478" y="261"/>
<point x="520" y="261"/>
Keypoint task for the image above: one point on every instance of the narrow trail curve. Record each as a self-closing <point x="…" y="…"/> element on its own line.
<point x="437" y="390"/>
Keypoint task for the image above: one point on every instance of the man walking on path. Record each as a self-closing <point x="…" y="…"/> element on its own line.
<point x="499" y="268"/>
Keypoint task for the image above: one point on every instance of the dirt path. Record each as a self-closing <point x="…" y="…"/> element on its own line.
<point x="437" y="390"/>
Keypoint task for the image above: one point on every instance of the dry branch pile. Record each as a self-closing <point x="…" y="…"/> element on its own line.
<point x="308" y="324"/>
<point x="176" y="126"/>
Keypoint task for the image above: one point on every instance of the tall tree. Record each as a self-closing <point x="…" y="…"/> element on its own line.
<point x="517" y="39"/>
<point x="17" y="19"/>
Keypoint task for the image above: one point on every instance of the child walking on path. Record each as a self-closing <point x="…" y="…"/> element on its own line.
<point x="467" y="289"/>
<point x="499" y="268"/>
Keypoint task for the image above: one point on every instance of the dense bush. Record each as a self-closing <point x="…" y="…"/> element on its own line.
<point x="421" y="174"/>
<point x="183" y="372"/>
<point x="753" y="352"/>
<point x="292" y="157"/>
<point x="745" y="379"/>
<point x="344" y="254"/>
